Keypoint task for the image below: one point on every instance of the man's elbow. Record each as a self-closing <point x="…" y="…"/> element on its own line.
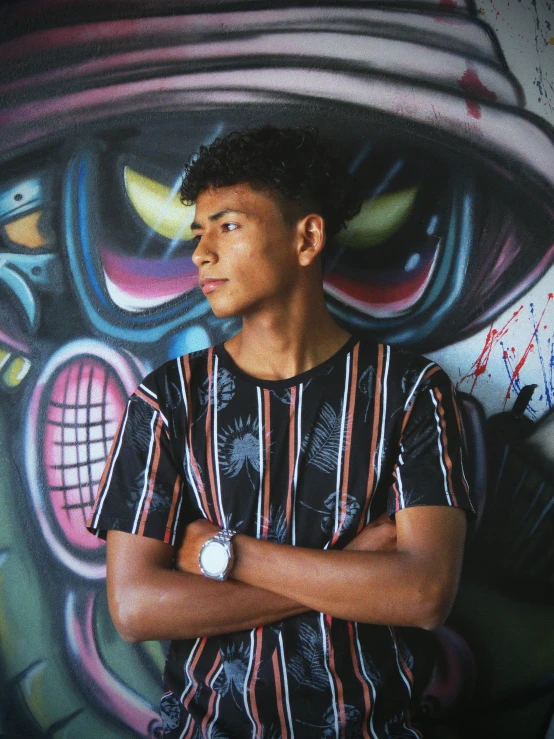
<point x="127" y="616"/>
<point x="434" y="605"/>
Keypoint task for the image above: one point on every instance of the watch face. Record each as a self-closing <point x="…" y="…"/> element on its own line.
<point x="214" y="558"/>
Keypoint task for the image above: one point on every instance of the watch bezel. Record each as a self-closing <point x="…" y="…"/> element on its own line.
<point x="227" y="548"/>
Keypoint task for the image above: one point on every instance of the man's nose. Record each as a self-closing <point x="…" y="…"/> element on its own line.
<point x="204" y="252"/>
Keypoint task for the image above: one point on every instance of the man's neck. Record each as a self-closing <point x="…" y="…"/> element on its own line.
<point x="283" y="342"/>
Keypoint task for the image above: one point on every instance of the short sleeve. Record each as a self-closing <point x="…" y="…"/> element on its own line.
<point x="429" y="468"/>
<point x="141" y="489"/>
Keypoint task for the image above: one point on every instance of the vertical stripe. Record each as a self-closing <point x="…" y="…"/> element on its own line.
<point x="216" y="712"/>
<point x="444" y="439"/>
<point x="258" y="638"/>
<point x="344" y="403"/>
<point x="245" y="686"/>
<point x="367" y="678"/>
<point x="365" y="689"/>
<point x="331" y="683"/>
<point x="267" y="469"/>
<point x="336" y="678"/>
<point x="292" y="443"/>
<point x="215" y="442"/>
<point x="286" y="684"/>
<point x="173" y="517"/>
<point x="296" y="461"/>
<point x="188" y="466"/>
<point x="462" y="438"/>
<point x="398" y="486"/>
<point x="195" y="477"/>
<point x="383" y="414"/>
<point x="209" y="430"/>
<point x="441" y="449"/>
<point x="106" y="478"/>
<point x="364" y="518"/>
<point x="406" y="675"/>
<point x="260" y="462"/>
<point x="279" y="694"/>
<point x="348" y="441"/>
<point x="209" y="682"/>
<point x="146" y="469"/>
<point x="189" y="669"/>
<point x="153" y="473"/>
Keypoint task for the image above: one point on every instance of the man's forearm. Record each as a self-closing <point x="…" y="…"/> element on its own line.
<point x="185" y="606"/>
<point x="332" y="582"/>
<point x="413" y="586"/>
<point x="150" y="600"/>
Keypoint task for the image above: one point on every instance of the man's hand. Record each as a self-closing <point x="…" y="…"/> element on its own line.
<point x="196" y="535"/>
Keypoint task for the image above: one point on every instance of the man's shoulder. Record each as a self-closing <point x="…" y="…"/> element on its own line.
<point x="402" y="370"/>
<point x="394" y="358"/>
<point x="175" y="372"/>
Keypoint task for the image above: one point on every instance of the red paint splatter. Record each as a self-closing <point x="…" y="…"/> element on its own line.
<point x="494" y="335"/>
<point x="519" y="366"/>
<point x="472" y="85"/>
<point x="448" y="3"/>
<point x="528" y="349"/>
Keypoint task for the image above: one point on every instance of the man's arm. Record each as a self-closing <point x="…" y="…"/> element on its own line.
<point x="148" y="599"/>
<point x="412" y="586"/>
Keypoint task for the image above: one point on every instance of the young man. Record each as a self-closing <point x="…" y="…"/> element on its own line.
<point x="245" y="488"/>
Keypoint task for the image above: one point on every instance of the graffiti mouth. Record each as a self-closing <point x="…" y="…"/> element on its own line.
<point x="383" y="293"/>
<point x="136" y="283"/>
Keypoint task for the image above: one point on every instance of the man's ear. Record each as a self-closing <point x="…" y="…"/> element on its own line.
<point x="311" y="232"/>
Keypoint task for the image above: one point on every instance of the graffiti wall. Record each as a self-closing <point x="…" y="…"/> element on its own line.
<point x="443" y="111"/>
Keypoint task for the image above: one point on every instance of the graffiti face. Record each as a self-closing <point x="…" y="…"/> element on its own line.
<point x="439" y="248"/>
<point x="97" y="281"/>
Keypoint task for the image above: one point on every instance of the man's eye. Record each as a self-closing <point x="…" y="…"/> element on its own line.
<point x="197" y="237"/>
<point x="230" y="226"/>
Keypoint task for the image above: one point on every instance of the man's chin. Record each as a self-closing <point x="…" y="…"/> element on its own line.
<point x="224" y="311"/>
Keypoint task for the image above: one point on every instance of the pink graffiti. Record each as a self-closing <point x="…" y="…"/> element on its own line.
<point x="114" y="697"/>
<point x="84" y="408"/>
<point x="472" y="85"/>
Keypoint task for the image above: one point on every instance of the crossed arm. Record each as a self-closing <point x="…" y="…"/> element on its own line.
<point x="405" y="574"/>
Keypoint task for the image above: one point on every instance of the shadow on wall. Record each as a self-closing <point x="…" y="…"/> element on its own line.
<point x="97" y="287"/>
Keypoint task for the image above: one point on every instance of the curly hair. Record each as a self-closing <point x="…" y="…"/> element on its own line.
<point x="295" y="164"/>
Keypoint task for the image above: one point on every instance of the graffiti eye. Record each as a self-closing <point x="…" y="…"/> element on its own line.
<point x="29" y="231"/>
<point x="379" y="218"/>
<point x="159" y="206"/>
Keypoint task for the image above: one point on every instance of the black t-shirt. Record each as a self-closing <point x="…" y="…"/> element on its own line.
<point x="306" y="461"/>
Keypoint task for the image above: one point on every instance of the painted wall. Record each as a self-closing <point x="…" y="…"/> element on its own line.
<point x="452" y="255"/>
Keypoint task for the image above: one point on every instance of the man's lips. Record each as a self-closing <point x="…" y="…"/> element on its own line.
<point x="209" y="284"/>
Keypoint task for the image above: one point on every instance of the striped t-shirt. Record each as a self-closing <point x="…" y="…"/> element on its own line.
<point x="306" y="461"/>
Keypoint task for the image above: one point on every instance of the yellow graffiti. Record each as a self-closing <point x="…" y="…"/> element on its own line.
<point x="379" y="219"/>
<point x="25" y="231"/>
<point x="16" y="371"/>
<point x="159" y="206"/>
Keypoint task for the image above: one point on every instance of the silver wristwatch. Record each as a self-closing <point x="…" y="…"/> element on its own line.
<point x="216" y="556"/>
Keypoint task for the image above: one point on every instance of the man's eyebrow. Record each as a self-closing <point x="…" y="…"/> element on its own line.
<point x="215" y="217"/>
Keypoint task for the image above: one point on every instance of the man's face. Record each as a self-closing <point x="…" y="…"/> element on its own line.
<point x="246" y="253"/>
